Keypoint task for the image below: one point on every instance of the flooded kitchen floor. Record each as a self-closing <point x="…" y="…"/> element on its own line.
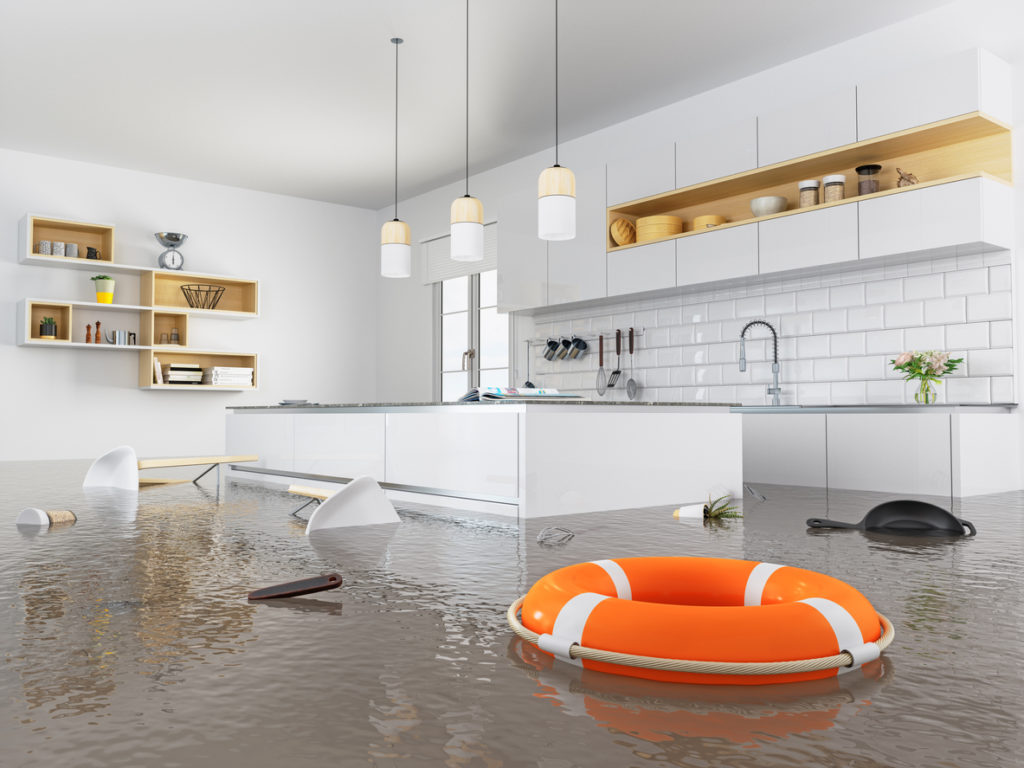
<point x="127" y="639"/>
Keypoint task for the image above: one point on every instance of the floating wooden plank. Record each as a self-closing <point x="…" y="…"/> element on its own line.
<point x="191" y="461"/>
<point x="312" y="493"/>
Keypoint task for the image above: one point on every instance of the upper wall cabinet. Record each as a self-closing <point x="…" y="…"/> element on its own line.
<point x="522" y="256"/>
<point x="644" y="268"/>
<point x="720" y="255"/>
<point x="645" y="169"/>
<point x="958" y="218"/>
<point x="711" y="155"/>
<point x="971" y="81"/>
<point x="825" y="236"/>
<point x="826" y="122"/>
<point x="576" y="268"/>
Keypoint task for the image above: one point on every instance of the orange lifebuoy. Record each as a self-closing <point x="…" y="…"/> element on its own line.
<point x="701" y="609"/>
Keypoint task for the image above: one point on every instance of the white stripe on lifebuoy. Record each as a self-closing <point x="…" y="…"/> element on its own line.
<point x="847" y="632"/>
<point x="756" y="582"/>
<point x="618" y="576"/>
<point x="569" y="626"/>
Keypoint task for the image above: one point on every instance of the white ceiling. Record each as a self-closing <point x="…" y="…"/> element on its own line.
<point x="297" y="96"/>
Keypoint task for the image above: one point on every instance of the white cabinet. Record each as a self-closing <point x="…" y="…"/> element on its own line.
<point x="958" y="218"/>
<point x="825" y="122"/>
<point x="576" y="268"/>
<point x="894" y="452"/>
<point x="522" y="256"/>
<point x="645" y="169"/>
<point x="810" y="239"/>
<point x="718" y="255"/>
<point x="705" y="156"/>
<point x="267" y="435"/>
<point x="970" y="81"/>
<point x="643" y="268"/>
<point x="340" y="444"/>
<point x="784" y="448"/>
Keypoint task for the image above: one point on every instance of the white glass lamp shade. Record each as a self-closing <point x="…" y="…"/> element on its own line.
<point x="395" y="250"/>
<point x="467" y="230"/>
<point x="556" y="204"/>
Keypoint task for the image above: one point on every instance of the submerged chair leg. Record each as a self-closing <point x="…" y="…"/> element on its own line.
<point x="295" y="512"/>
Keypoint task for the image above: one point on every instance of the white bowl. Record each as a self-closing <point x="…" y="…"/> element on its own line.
<point x="767" y="205"/>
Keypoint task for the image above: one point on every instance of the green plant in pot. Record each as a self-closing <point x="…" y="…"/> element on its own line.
<point x="721" y="508"/>
<point x="104" y="288"/>
<point x="47" y="328"/>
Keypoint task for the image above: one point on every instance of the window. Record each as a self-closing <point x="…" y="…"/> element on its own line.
<point x="474" y="336"/>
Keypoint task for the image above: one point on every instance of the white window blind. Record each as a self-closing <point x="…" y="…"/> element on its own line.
<point x="441" y="266"/>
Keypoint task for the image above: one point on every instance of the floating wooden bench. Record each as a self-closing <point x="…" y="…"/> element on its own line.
<point x="119" y="468"/>
<point x="187" y="461"/>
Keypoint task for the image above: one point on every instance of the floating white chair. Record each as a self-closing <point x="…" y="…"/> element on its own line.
<point x="120" y="467"/>
<point x="361" y="502"/>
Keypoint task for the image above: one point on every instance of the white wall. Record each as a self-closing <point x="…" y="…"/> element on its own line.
<point x="405" y="369"/>
<point x="316" y="263"/>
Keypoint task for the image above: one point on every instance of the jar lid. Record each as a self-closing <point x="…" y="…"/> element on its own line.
<point x="867" y="170"/>
<point x="807" y="184"/>
<point x="836" y="178"/>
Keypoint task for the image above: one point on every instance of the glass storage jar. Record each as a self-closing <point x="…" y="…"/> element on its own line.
<point x="808" y="192"/>
<point x="867" y="179"/>
<point x="835" y="187"/>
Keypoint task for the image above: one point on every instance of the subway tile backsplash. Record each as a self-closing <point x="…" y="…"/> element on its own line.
<point x="837" y="334"/>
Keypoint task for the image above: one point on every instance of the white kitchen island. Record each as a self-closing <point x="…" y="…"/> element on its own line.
<point x="521" y="459"/>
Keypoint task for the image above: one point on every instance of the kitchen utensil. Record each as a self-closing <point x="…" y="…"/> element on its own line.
<point x="202" y="295"/>
<point x="618" y="360"/>
<point x="579" y="347"/>
<point x="654" y="227"/>
<point x="564" y="349"/>
<point x="528" y="384"/>
<point x="631" y="385"/>
<point x="602" y="382"/>
<point x="767" y="205"/>
<point x="907" y="517"/>
<point x="550" y="348"/>
<point x="700" y="223"/>
<point x="300" y="587"/>
<point x="623" y="232"/>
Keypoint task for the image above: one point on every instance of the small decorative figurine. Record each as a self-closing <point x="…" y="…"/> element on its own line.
<point x="88" y="333"/>
<point x="906" y="179"/>
<point x="98" y="336"/>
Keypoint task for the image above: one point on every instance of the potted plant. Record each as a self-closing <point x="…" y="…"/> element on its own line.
<point x="721" y="508"/>
<point x="47" y="328"/>
<point x="926" y="367"/>
<point x="104" y="289"/>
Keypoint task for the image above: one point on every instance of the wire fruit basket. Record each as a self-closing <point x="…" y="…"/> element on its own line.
<point x="202" y="295"/>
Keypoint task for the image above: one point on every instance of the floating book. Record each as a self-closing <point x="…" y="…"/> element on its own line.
<point x="478" y="394"/>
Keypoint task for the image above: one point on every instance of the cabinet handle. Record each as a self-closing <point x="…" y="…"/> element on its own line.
<point x="469" y="354"/>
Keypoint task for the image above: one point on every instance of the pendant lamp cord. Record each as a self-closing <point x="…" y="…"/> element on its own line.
<point x="396" y="41"/>
<point x="467" y="98"/>
<point x="556" y="83"/>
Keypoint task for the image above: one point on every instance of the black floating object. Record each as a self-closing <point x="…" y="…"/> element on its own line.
<point x="905" y="517"/>
<point x="300" y="587"/>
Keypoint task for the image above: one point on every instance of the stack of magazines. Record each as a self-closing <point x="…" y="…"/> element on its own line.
<point x="227" y="376"/>
<point x="479" y="394"/>
<point x="182" y="373"/>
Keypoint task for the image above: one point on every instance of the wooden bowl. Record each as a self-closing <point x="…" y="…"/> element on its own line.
<point x="654" y="227"/>
<point x="623" y="232"/>
<point x="700" y="223"/>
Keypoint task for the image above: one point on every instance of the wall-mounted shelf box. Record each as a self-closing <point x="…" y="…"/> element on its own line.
<point x="162" y="289"/>
<point x="938" y="153"/>
<point x="34" y="228"/>
<point x="203" y="358"/>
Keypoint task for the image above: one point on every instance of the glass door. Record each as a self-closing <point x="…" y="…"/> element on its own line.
<point x="474" y="335"/>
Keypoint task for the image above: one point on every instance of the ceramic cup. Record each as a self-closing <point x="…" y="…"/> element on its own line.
<point x="71" y="251"/>
<point x="58" y="248"/>
<point x="45" y="247"/>
<point x="91" y="253"/>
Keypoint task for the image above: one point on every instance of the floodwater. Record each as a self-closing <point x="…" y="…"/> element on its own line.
<point x="127" y="640"/>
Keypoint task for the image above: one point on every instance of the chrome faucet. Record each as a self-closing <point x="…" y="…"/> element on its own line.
<point x="773" y="390"/>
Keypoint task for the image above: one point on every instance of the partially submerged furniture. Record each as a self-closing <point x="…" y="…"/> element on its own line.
<point x="119" y="468"/>
<point x="361" y="502"/>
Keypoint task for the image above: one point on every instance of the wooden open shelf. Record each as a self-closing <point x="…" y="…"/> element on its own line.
<point x="98" y="236"/>
<point x="36" y="311"/>
<point x="163" y="289"/>
<point x="941" y="152"/>
<point x="153" y="324"/>
<point x="200" y="357"/>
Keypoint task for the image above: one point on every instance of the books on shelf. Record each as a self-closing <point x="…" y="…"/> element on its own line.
<point x="479" y="394"/>
<point x="182" y="373"/>
<point x="227" y="376"/>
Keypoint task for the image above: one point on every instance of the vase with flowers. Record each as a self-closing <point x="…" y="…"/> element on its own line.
<point x="928" y="368"/>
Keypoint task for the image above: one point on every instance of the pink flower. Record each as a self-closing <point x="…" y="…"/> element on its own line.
<point x="903" y="359"/>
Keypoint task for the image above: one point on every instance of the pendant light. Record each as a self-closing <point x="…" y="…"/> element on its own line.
<point x="467" y="217"/>
<point x="395" y="240"/>
<point x="556" y="187"/>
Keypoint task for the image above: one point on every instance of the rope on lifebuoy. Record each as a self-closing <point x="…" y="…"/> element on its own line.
<point x="842" y="659"/>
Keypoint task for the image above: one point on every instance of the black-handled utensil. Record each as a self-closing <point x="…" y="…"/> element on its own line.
<point x="300" y="587"/>
<point x="618" y="357"/>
